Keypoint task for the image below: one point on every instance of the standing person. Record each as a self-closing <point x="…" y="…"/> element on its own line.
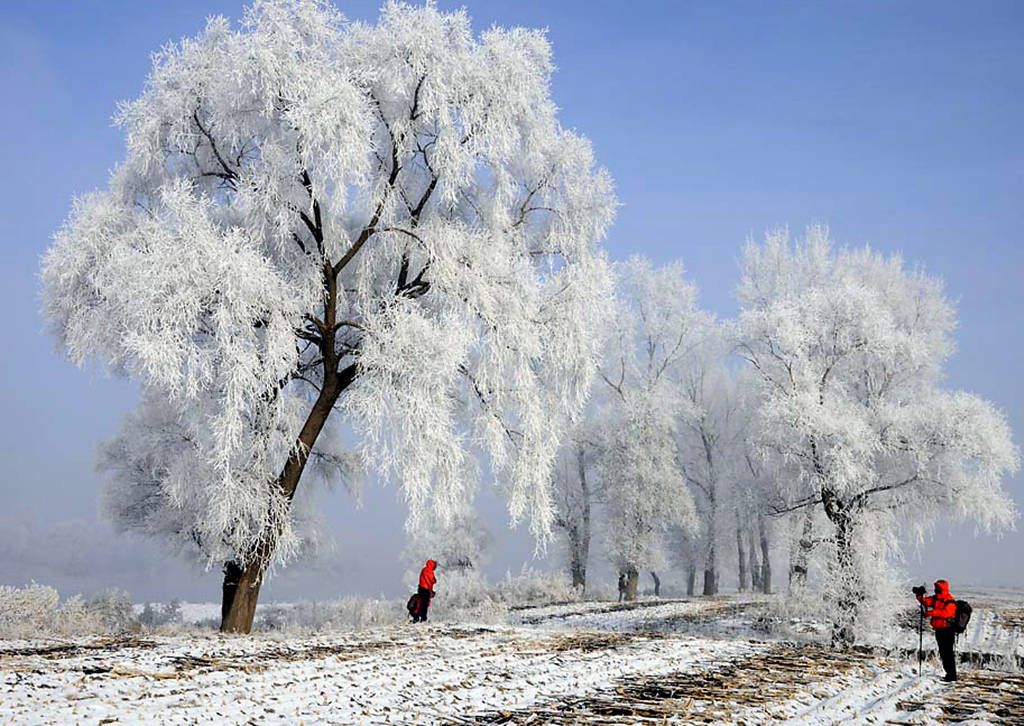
<point x="941" y="608"/>
<point x="622" y="586"/>
<point x="426" y="590"/>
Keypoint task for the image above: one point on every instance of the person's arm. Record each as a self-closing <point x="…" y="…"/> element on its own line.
<point x="928" y="603"/>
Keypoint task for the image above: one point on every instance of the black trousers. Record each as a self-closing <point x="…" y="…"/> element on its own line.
<point x="421" y="612"/>
<point x="946" y="639"/>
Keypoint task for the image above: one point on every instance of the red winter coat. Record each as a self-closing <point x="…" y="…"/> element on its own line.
<point x="427" y="577"/>
<point x="940" y="607"/>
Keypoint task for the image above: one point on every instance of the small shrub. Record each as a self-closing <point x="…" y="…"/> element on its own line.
<point x="33" y="612"/>
<point x="26" y="611"/>
<point x="153" y="616"/>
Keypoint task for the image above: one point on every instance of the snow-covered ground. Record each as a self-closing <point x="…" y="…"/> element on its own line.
<point x="649" y="662"/>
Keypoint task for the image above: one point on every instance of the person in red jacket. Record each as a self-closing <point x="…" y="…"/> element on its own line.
<point x="425" y="590"/>
<point x="941" y="608"/>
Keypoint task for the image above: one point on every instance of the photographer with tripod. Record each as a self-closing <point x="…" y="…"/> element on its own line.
<point x="941" y="608"/>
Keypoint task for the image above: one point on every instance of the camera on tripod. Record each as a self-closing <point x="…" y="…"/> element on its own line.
<point x="919" y="590"/>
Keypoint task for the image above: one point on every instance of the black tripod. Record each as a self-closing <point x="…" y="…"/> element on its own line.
<point x="920" y="637"/>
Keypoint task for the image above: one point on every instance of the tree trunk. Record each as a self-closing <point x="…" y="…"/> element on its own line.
<point x="848" y="600"/>
<point x="239" y="605"/>
<point x="242" y="582"/>
<point x="581" y="542"/>
<point x="766" y="560"/>
<point x="632" y="577"/>
<point x="710" y="571"/>
<point x="657" y="584"/>
<point x="755" y="567"/>
<point x="846" y="593"/>
<point x="691" y="578"/>
<point x="741" y="552"/>
<point x="232" y="576"/>
<point x="577" y="559"/>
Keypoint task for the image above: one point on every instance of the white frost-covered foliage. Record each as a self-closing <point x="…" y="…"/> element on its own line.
<point x="655" y="328"/>
<point x="575" y="493"/>
<point x="849" y="348"/>
<point x="314" y="218"/>
<point x="35" y="611"/>
<point x="463" y="543"/>
<point x="710" y="442"/>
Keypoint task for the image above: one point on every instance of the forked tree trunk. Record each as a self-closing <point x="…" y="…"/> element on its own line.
<point x="632" y="577"/>
<point x="766" y="560"/>
<point x="657" y="583"/>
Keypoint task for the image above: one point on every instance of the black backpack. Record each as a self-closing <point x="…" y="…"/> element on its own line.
<point x="413" y="606"/>
<point x="962" y="616"/>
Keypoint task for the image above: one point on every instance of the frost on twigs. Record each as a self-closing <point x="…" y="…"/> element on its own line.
<point x="849" y="350"/>
<point x="654" y="332"/>
<point x="317" y="220"/>
<point x="35" y="611"/>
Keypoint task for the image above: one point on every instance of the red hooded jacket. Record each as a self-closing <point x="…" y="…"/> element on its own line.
<point x="940" y="607"/>
<point x="427" y="577"/>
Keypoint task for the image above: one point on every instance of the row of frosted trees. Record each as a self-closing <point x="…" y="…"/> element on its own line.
<point x="341" y="251"/>
<point x="815" y="418"/>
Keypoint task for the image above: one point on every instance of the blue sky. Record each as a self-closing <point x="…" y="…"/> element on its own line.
<point x="896" y="123"/>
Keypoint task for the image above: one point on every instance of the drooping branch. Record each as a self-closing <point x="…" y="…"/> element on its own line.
<point x="486" y="404"/>
<point x="229" y="173"/>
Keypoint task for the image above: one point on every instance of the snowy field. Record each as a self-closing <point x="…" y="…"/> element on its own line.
<point x="700" y="661"/>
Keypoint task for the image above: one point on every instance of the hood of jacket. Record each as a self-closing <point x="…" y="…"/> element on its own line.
<point x="942" y="589"/>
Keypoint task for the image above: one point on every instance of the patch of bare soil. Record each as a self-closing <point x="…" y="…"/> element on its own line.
<point x="587" y="642"/>
<point x="258" y="661"/>
<point x="993" y="695"/>
<point x="699" y="696"/>
<point x="1010" y="619"/>
<point x="66" y="650"/>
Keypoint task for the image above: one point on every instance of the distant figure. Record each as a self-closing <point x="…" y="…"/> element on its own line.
<point x="941" y="608"/>
<point x="623" y="587"/>
<point x="425" y="591"/>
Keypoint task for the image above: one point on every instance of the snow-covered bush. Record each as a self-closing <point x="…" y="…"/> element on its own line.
<point x="114" y="610"/>
<point x="26" y="611"/>
<point x="466" y="596"/>
<point x="317" y="617"/>
<point x="35" y="611"/>
<point x="156" y="615"/>
<point x="531" y="587"/>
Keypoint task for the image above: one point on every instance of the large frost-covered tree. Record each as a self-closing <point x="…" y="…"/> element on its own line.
<point x="317" y="219"/>
<point x="575" y="493"/>
<point x="849" y="349"/>
<point x="708" y="441"/>
<point x="655" y="327"/>
<point x="461" y="544"/>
